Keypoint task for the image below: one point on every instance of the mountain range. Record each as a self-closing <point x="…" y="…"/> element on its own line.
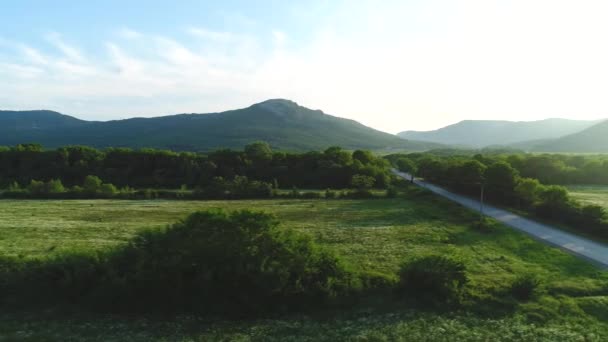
<point x="591" y="140"/>
<point x="484" y="133"/>
<point x="282" y="123"/>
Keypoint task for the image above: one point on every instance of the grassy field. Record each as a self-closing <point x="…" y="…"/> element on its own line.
<point x="375" y="235"/>
<point x="590" y="194"/>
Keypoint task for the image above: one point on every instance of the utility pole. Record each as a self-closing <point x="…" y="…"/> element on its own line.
<point x="481" y="204"/>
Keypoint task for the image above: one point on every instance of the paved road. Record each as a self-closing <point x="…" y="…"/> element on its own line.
<point x="584" y="248"/>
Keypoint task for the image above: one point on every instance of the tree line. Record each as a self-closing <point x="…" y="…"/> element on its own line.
<point x="510" y="180"/>
<point x="158" y="169"/>
<point x="559" y="169"/>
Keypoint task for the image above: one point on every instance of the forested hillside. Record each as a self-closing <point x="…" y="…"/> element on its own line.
<point x="282" y="123"/>
<point x="593" y="139"/>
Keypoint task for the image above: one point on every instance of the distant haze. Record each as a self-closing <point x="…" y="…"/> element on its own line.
<point x="391" y="65"/>
<point x="485" y="133"/>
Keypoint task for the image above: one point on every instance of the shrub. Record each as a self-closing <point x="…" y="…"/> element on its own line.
<point x="233" y="263"/>
<point x="91" y="184"/>
<point x="238" y="262"/>
<point x="524" y="287"/>
<point x="330" y="194"/>
<point x="391" y="192"/>
<point x="36" y="187"/>
<point x="14" y="186"/>
<point x="433" y="278"/>
<point x="54" y="186"/>
<point x="108" y="190"/>
<point x="362" y="182"/>
<point x="310" y="195"/>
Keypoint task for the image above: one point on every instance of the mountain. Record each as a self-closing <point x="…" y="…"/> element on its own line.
<point x="591" y="140"/>
<point x="282" y="123"/>
<point x="13" y="121"/>
<point x="482" y="133"/>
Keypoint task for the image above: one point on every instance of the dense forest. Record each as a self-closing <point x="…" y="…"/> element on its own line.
<point x="526" y="182"/>
<point x="147" y="168"/>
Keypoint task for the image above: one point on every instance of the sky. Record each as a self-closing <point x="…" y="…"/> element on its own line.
<point x="392" y="65"/>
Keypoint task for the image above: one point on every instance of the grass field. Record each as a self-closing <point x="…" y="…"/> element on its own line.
<point x="590" y="194"/>
<point x="374" y="235"/>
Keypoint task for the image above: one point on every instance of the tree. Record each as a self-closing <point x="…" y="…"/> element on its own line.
<point x="92" y="184"/>
<point x="472" y="172"/>
<point x="408" y="166"/>
<point x="108" y="189"/>
<point x="432" y="169"/>
<point x="365" y="157"/>
<point x="14" y="186"/>
<point x="258" y="151"/>
<point x="362" y="182"/>
<point x="527" y="191"/>
<point x="338" y="156"/>
<point x="554" y="196"/>
<point x="501" y="179"/>
<point x="36" y="187"/>
<point x="594" y="214"/>
<point x="54" y="186"/>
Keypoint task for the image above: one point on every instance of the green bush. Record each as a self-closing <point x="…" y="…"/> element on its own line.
<point x="392" y="192"/>
<point x="211" y="262"/>
<point x="329" y="194"/>
<point x="435" y="278"/>
<point x="310" y="195"/>
<point x="525" y="287"/>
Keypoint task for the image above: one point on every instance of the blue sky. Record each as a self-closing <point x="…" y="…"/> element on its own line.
<point x="393" y="65"/>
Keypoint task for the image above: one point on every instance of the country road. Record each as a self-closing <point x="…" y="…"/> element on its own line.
<point x="582" y="247"/>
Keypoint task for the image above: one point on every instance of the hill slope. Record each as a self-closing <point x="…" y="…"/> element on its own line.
<point x="482" y="133"/>
<point x="592" y="139"/>
<point x="282" y="123"/>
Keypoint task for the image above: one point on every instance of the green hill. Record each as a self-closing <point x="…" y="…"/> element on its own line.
<point x="591" y="140"/>
<point x="483" y="133"/>
<point x="282" y="123"/>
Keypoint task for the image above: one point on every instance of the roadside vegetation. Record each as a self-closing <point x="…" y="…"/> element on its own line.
<point x="515" y="181"/>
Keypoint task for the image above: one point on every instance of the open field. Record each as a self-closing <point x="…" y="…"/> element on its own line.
<point x="374" y="235"/>
<point x="590" y="194"/>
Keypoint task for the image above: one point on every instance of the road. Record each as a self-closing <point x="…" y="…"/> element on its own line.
<point x="582" y="247"/>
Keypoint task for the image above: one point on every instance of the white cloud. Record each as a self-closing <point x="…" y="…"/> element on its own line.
<point x="70" y="52"/>
<point x="34" y="55"/>
<point x="279" y="37"/>
<point x="392" y="66"/>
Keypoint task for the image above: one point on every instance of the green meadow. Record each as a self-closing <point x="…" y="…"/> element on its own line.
<point x="590" y="194"/>
<point x="375" y="235"/>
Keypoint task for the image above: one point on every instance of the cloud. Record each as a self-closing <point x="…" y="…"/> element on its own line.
<point x="393" y="66"/>
<point x="279" y="37"/>
<point x="69" y="51"/>
<point x="34" y="55"/>
<point x="19" y="71"/>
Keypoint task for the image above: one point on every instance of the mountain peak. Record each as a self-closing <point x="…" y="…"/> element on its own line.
<point x="278" y="106"/>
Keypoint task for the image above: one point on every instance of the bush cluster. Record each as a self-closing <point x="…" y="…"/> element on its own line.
<point x="525" y="287"/>
<point x="434" y="278"/>
<point x="213" y="261"/>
